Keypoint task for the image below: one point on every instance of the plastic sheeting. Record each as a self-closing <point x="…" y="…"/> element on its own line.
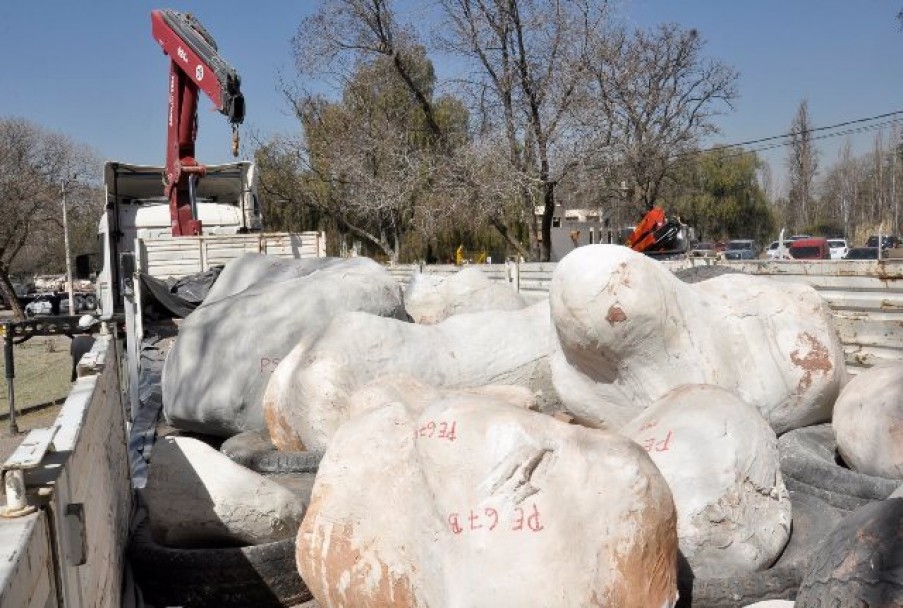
<point x="182" y="296"/>
<point x="150" y="397"/>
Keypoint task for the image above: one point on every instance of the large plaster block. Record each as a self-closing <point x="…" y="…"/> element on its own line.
<point x="196" y="496"/>
<point x="431" y="298"/>
<point x="720" y="458"/>
<point x="868" y="422"/>
<point x="215" y="375"/>
<point x="306" y="400"/>
<point x="486" y="504"/>
<point x="634" y="331"/>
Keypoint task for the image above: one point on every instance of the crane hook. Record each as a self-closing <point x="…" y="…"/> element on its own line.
<point x="235" y="139"/>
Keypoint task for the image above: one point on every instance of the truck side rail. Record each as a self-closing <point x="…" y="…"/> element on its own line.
<point x="70" y="550"/>
<point x="184" y="256"/>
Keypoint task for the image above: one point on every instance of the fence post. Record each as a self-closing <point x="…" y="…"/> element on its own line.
<point x="513" y="269"/>
<point x="10" y="374"/>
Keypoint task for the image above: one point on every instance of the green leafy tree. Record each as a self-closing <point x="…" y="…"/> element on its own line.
<point x="719" y="194"/>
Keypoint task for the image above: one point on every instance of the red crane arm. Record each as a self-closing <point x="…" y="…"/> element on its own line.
<point x="194" y="64"/>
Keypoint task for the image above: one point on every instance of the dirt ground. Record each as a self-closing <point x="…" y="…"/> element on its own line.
<point x="42" y="371"/>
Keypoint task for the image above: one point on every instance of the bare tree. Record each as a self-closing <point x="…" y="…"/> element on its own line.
<point x="344" y="33"/>
<point x="371" y="161"/>
<point x="530" y="66"/>
<point x="33" y="165"/>
<point x="802" y="165"/>
<point x="659" y="96"/>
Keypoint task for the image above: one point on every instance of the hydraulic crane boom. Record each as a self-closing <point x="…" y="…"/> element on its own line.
<point x="194" y="64"/>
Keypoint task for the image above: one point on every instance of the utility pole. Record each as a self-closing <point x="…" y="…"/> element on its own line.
<point x="893" y="180"/>
<point x="69" y="287"/>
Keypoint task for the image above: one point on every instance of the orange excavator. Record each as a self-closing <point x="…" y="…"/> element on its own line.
<point x="658" y="235"/>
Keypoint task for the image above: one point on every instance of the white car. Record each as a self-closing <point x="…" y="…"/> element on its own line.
<point x="838" y="248"/>
<point x="776" y="252"/>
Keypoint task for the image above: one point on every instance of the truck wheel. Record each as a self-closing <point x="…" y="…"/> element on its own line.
<point x="254" y="450"/>
<point x="261" y="575"/>
<point x="809" y="464"/>
<point x="859" y="562"/>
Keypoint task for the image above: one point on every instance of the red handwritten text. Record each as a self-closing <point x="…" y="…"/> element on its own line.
<point x="487" y="519"/>
<point x="268" y="364"/>
<point x="650" y="443"/>
<point x="438" y="430"/>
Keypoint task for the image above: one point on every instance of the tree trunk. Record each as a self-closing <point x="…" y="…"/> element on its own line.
<point x="509" y="238"/>
<point x="548" y="200"/>
<point x="9" y="295"/>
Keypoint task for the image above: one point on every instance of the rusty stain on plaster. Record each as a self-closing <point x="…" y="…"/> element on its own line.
<point x="615" y="315"/>
<point x="816" y="360"/>
<point x="343" y="559"/>
<point x="281" y="432"/>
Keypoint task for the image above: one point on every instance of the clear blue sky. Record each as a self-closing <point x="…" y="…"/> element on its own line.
<point x="90" y="69"/>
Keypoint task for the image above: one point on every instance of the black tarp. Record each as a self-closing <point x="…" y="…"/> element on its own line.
<point x="182" y="296"/>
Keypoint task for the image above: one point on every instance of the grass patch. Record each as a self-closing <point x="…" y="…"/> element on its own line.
<point x="43" y="369"/>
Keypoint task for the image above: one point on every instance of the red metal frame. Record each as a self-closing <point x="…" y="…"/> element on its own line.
<point x="188" y="72"/>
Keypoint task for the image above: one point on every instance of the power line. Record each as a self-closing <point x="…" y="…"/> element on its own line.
<point x="781" y="144"/>
<point x="794" y="133"/>
<point x="784" y="144"/>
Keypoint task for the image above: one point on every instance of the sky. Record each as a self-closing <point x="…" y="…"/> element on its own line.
<point x="90" y="68"/>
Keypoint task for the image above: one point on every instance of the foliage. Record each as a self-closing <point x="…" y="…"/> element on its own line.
<point x="860" y="194"/>
<point x="658" y="96"/>
<point x="529" y="59"/>
<point x="718" y="193"/>
<point x="554" y="92"/>
<point x="802" y="167"/>
<point x="34" y="166"/>
<point x="369" y="165"/>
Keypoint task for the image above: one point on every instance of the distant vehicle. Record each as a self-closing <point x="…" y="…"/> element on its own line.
<point x="887" y="241"/>
<point x="703" y="250"/>
<point x="741" y="249"/>
<point x="810" y="249"/>
<point x="51" y="304"/>
<point x="862" y="253"/>
<point x="838" y="248"/>
<point x="776" y="252"/>
<point x="659" y="235"/>
<point x="42" y="306"/>
<point x="797" y="237"/>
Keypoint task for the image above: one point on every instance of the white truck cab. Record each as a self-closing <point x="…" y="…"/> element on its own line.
<point x="136" y="209"/>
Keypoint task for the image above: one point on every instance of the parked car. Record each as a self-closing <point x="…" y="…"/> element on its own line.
<point x="741" y="249"/>
<point x="703" y="250"/>
<point x="838" y="248"/>
<point x="43" y="305"/>
<point x="776" y="252"/>
<point x="887" y="241"/>
<point x="863" y="253"/>
<point x="810" y="249"/>
<point x="53" y="304"/>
